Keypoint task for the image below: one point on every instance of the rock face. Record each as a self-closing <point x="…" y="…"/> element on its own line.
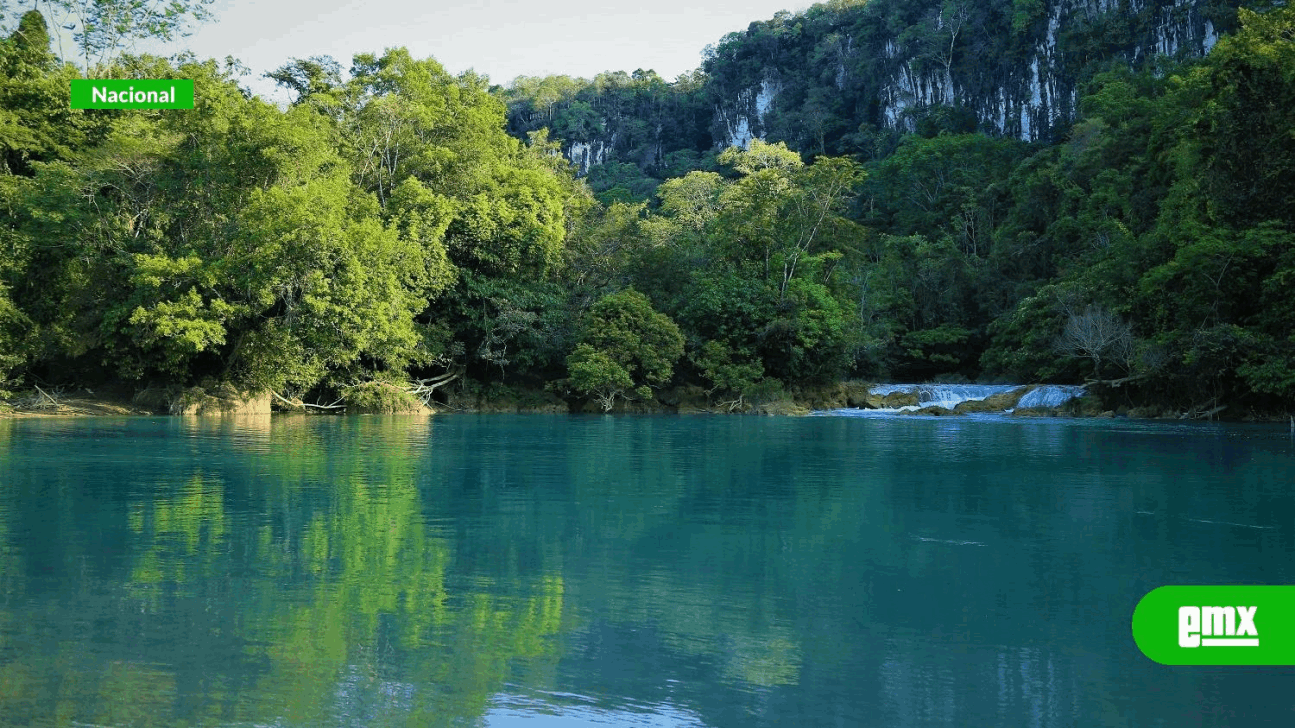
<point x="820" y="78"/>
<point x="587" y="154"/>
<point x="220" y="400"/>
<point x="992" y="403"/>
<point x="932" y="410"/>
<point x="1035" y="412"/>
<point x="744" y="120"/>
<point x="1015" y="67"/>
<point x="894" y="400"/>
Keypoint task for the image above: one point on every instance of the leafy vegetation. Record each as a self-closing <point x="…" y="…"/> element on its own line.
<point x="387" y="227"/>
<point x="624" y="347"/>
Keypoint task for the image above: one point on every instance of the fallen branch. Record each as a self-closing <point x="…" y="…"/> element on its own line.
<point x="1197" y="415"/>
<point x="424" y="388"/>
<point x="1116" y="382"/>
<point x="303" y="405"/>
<point x="732" y="404"/>
<point x="46" y="401"/>
<point x="282" y="399"/>
<point x="46" y="395"/>
<point x="441" y="380"/>
<point x="335" y="405"/>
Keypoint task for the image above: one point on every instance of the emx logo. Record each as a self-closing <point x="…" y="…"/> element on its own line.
<point x="1179" y="625"/>
<point x="1217" y="627"/>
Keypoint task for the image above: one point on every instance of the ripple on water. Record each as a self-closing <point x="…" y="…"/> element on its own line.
<point x="571" y="710"/>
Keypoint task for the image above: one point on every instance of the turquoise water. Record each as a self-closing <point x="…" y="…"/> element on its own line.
<point x="654" y="571"/>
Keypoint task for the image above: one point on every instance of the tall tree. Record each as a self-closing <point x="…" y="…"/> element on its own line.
<point x="308" y="76"/>
<point x="104" y="30"/>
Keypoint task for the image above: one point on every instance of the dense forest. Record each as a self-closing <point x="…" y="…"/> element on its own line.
<point x="400" y="232"/>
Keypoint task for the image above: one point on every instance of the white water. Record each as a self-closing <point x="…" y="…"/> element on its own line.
<point x="951" y="395"/>
<point x="944" y="395"/>
<point x="1050" y="395"/>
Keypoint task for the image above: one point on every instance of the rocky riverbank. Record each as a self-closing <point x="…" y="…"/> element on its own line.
<point x="882" y="399"/>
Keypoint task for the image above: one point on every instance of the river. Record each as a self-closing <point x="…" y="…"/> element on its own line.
<point x="562" y="571"/>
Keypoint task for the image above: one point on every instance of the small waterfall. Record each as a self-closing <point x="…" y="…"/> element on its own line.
<point x="951" y="395"/>
<point x="1050" y="395"/>
<point x="944" y="395"/>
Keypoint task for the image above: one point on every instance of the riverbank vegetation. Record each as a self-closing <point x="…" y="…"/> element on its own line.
<point x="386" y="228"/>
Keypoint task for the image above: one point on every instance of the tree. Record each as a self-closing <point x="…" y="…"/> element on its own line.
<point x="624" y="344"/>
<point x="761" y="155"/>
<point x="105" y="29"/>
<point x="227" y="242"/>
<point x="784" y="212"/>
<point x="36" y="124"/>
<point x="1244" y="100"/>
<point x="598" y="375"/>
<point x="29" y="43"/>
<point x="1097" y="334"/>
<point x="728" y="371"/>
<point x="692" y="200"/>
<point x="409" y="118"/>
<point x="308" y="76"/>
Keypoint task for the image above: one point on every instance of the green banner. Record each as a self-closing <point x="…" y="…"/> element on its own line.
<point x="147" y="93"/>
<point x="1217" y="625"/>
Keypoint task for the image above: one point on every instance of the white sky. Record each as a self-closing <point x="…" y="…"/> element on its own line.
<point x="500" y="38"/>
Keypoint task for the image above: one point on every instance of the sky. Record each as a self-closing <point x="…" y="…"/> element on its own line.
<point x="499" y="38"/>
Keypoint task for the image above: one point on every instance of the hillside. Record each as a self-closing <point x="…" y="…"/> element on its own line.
<point x="1082" y="209"/>
<point x="836" y="78"/>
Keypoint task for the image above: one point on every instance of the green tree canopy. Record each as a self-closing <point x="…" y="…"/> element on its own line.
<point x="624" y="344"/>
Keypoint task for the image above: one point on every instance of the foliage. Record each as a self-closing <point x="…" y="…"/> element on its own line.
<point x="646" y="343"/>
<point x="387" y="227"/>
<point x="653" y="129"/>
<point x="595" y="373"/>
<point x="36" y="124"/>
<point x="621" y="182"/>
<point x="308" y="76"/>
<point x="728" y="371"/>
<point x="624" y="345"/>
<point x="269" y="248"/>
<point x="508" y="328"/>
<point x="1244" y="115"/>
<point x="12" y="324"/>
<point x="105" y="29"/>
<point x="380" y="397"/>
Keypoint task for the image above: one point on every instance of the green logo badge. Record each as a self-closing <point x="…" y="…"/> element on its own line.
<point x="1217" y="625"/>
<point x="146" y="93"/>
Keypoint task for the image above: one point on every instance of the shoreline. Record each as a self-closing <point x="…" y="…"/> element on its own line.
<point x="678" y="401"/>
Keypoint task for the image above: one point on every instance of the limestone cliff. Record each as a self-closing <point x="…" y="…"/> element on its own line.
<point x="1010" y="67"/>
<point x="830" y="78"/>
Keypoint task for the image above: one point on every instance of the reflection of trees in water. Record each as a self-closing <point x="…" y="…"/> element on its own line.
<point x="917" y="690"/>
<point x="375" y="603"/>
<point x="11" y="564"/>
<point x="733" y="564"/>
<point x="292" y="576"/>
<point x="386" y="571"/>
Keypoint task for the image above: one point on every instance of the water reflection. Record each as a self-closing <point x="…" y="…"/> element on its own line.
<point x="321" y="571"/>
